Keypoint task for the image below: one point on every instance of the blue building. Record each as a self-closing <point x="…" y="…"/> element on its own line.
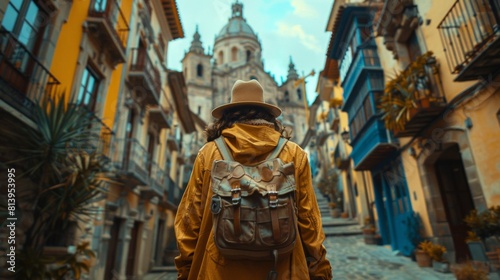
<point x="374" y="148"/>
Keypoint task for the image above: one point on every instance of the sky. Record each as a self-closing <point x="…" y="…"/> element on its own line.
<point x="295" y="28"/>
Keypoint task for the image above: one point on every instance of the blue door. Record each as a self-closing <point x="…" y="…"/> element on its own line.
<point x="393" y="207"/>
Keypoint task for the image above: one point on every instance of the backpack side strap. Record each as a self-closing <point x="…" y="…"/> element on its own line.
<point x="277" y="150"/>
<point x="223" y="149"/>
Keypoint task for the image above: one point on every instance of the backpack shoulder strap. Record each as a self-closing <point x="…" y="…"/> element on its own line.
<point x="279" y="147"/>
<point x="223" y="149"/>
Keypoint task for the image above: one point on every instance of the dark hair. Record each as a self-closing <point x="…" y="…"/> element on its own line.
<point x="240" y="114"/>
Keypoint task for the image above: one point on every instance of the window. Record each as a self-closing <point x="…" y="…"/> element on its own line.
<point x="199" y="110"/>
<point x="249" y="55"/>
<point x="221" y="58"/>
<point x="346" y="62"/>
<point x="234" y="54"/>
<point x="362" y="116"/>
<point x="151" y="150"/>
<point x="87" y="94"/>
<point x="23" y="19"/>
<point x="199" y="70"/>
<point x="371" y="57"/>
<point x="253" y="78"/>
<point x="299" y="94"/>
<point x="287" y="97"/>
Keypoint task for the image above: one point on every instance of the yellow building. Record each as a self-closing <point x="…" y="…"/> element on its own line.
<point x="109" y="57"/>
<point x="449" y="137"/>
<point x="332" y="140"/>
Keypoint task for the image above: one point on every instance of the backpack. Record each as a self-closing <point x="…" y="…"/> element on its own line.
<point x="253" y="207"/>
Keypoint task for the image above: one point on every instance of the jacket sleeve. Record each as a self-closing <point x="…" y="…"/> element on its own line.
<point x="309" y="223"/>
<point x="188" y="219"/>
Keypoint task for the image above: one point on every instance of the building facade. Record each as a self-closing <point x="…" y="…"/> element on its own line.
<point x="420" y="88"/>
<point x="110" y="59"/>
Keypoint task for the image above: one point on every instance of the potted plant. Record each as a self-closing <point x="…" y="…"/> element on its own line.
<point x="408" y="92"/>
<point x="421" y="254"/>
<point x="470" y="270"/>
<point x="483" y="238"/>
<point x="436" y="253"/>
<point x="334" y="211"/>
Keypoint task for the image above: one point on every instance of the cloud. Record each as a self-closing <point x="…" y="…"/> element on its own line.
<point x="302" y="9"/>
<point x="296" y="31"/>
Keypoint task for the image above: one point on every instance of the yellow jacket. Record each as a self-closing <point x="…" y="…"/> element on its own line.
<point x="199" y="257"/>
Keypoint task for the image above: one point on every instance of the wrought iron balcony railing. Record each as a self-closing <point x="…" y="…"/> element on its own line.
<point x="108" y="23"/>
<point x="131" y="161"/>
<point x="156" y="185"/>
<point x="470" y="34"/>
<point x="144" y="77"/>
<point x="24" y="80"/>
<point x="160" y="116"/>
<point x="145" y="14"/>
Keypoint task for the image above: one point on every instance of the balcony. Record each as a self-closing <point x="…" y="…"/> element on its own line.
<point x="24" y="80"/>
<point x="160" y="117"/>
<point x="156" y="186"/>
<point x="341" y="157"/>
<point x="132" y="162"/>
<point x="372" y="145"/>
<point x="333" y="119"/>
<point x="145" y="13"/>
<point x="174" y="139"/>
<point x="144" y="78"/>
<point x="414" y="98"/>
<point x="470" y="34"/>
<point x="109" y="26"/>
<point x="181" y="157"/>
<point x="354" y="70"/>
<point x="322" y="136"/>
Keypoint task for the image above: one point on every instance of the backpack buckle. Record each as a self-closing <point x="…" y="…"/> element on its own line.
<point x="273" y="199"/>
<point x="236" y="196"/>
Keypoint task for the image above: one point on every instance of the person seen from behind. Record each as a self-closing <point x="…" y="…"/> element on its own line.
<point x="249" y="210"/>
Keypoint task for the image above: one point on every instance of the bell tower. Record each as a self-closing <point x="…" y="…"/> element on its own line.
<point x="197" y="71"/>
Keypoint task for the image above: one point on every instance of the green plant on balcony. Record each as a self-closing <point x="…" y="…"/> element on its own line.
<point x="407" y="91"/>
<point x="62" y="174"/>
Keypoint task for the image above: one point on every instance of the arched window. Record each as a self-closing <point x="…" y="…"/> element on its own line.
<point x="287" y="97"/>
<point x="221" y="58"/>
<point x="199" y="70"/>
<point x="249" y="54"/>
<point x="253" y="78"/>
<point x="234" y="54"/>
<point x="299" y="94"/>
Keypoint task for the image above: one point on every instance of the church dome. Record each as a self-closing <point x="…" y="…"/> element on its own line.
<point x="237" y="25"/>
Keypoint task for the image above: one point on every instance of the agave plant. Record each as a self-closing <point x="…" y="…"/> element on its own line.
<point x="65" y="170"/>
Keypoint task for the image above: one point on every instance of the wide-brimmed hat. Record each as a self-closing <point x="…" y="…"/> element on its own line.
<point x="246" y="93"/>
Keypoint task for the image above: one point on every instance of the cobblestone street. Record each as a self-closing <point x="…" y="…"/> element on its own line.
<point x="352" y="259"/>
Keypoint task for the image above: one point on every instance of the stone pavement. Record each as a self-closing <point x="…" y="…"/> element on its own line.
<point x="352" y="259"/>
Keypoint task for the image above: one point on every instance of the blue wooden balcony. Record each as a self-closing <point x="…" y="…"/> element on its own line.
<point x="365" y="60"/>
<point x="372" y="145"/>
